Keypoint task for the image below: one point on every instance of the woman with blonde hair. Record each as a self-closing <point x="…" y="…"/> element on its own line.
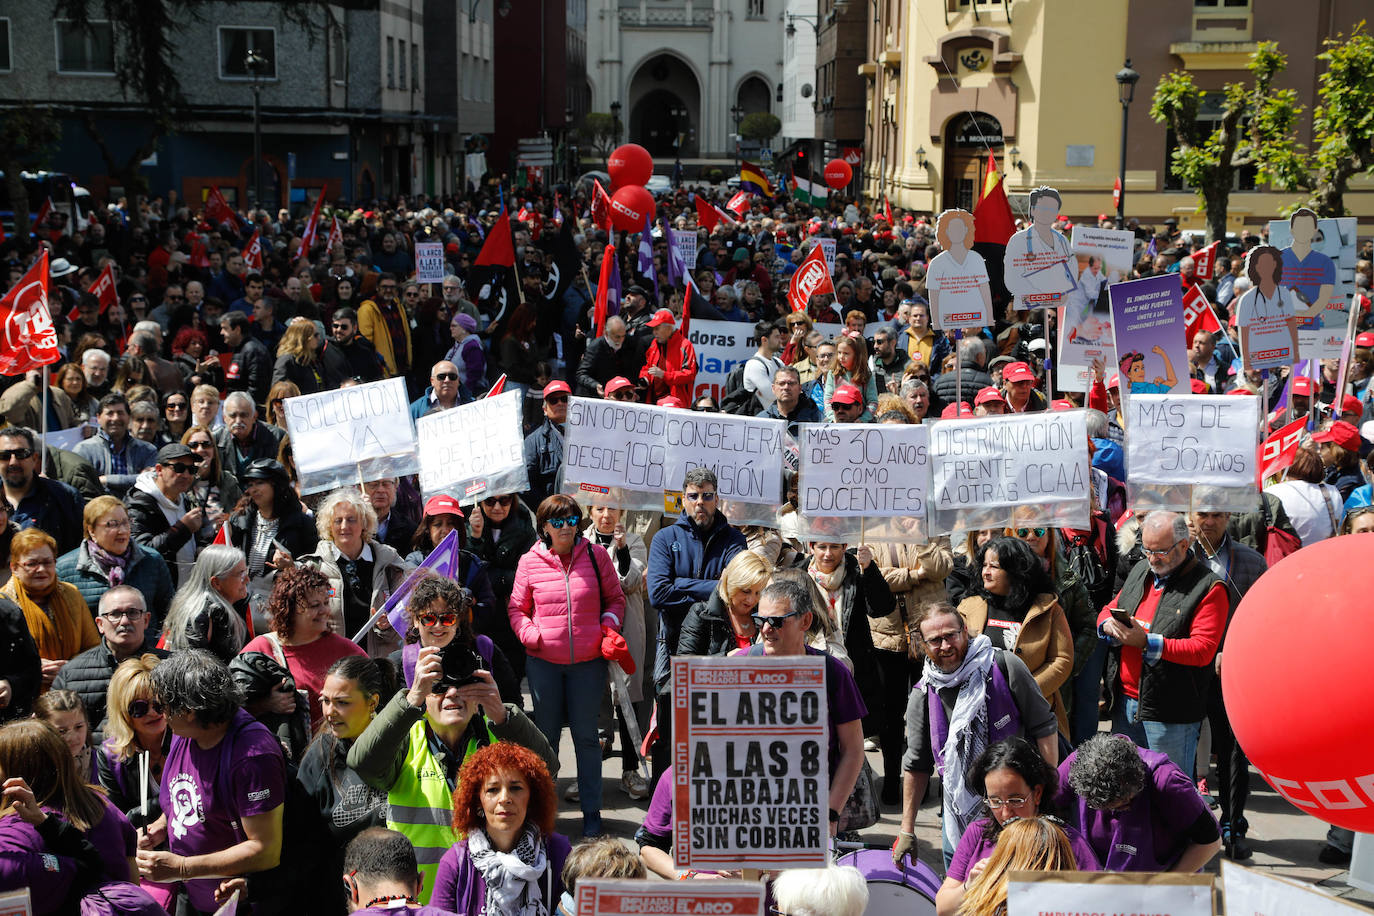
<point x="108" y="557"/>
<point x="1028" y="844"/>
<point x="298" y="357"/>
<point x="136" y="724"/>
<point x="724" y="622"/>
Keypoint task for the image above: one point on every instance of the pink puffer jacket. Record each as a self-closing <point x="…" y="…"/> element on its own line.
<point x="557" y="610"/>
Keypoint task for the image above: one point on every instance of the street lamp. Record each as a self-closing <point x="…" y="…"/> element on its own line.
<point x="813" y="21"/>
<point x="1126" y="78"/>
<point x="254" y="63"/>
<point x="738" y="114"/>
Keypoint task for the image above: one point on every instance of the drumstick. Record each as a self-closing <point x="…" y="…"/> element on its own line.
<point x="143" y="788"/>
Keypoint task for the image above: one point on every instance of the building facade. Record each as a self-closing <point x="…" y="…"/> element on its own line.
<point x="681" y="70"/>
<point x="948" y="81"/>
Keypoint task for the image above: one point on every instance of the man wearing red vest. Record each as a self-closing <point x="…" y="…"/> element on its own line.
<point x="670" y="366"/>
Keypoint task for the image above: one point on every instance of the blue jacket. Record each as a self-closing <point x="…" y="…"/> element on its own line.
<point x="138" y="455"/>
<point x="147" y="572"/>
<point x="685" y="564"/>
<point x="423" y="405"/>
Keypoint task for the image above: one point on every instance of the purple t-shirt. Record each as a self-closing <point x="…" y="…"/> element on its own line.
<point x="974" y="846"/>
<point x="117" y="841"/>
<point x="841" y="694"/>
<point x="205" y="807"/>
<point x="658" y="821"/>
<point x="403" y="911"/>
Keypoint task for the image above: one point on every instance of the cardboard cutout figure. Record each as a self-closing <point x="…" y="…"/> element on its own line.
<point x="1306" y="271"/>
<point x="1267" y="314"/>
<point x="1039" y="265"/>
<point x="957" y="278"/>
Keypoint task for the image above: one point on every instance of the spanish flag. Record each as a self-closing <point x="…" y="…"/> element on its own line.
<point x="992" y="216"/>
<point x="752" y="179"/>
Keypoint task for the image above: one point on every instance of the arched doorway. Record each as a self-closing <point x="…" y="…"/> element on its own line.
<point x="754" y="95"/>
<point x="967" y="140"/>
<point x="665" y="106"/>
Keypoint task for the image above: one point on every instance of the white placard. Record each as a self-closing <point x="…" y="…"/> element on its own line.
<point x="721" y="345"/>
<point x="16" y="903"/>
<point x="68" y="438"/>
<point x="605" y="897"/>
<point x="342" y="435"/>
<point x="474" y="450"/>
<point x="633" y="454"/>
<point x="750" y="762"/>
<point x="686" y="242"/>
<point x="1109" y="894"/>
<point x="1191" y="439"/>
<point x="828" y="249"/>
<point x="853" y="470"/>
<point x="1255" y="893"/>
<point x="999" y="463"/>
<point x="429" y="262"/>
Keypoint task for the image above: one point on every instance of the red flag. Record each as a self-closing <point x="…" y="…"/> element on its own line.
<point x="41" y="220"/>
<point x="252" y="252"/>
<point x="1205" y="261"/>
<point x="690" y="293"/>
<point x="27" y="337"/>
<point x="498" y="387"/>
<point x="312" y="229"/>
<point x="887" y="210"/>
<point x="707" y="215"/>
<point x="103" y="289"/>
<point x="1116" y="193"/>
<point x="335" y="235"/>
<point x="811" y="279"/>
<point x="1278" y="450"/>
<point x="218" y="209"/>
<point x="739" y="203"/>
<point x="1198" y="314"/>
<point x="498" y="250"/>
<point x="603" y="289"/>
<point x="992" y="217"/>
<point x="222" y="536"/>
<point x="200" y="257"/>
<point x="601" y="206"/>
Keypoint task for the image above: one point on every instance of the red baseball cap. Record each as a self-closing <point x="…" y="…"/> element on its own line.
<point x="1062" y="404"/>
<point x="1017" y="372"/>
<point x="443" y="504"/>
<point x="987" y="394"/>
<point x="1303" y="385"/>
<point x="1352" y="404"/>
<point x="1114" y="381"/>
<point x="616" y="384"/>
<point x="1366" y="339"/>
<point x="1198" y="386"/>
<point x="847" y="394"/>
<point x="557" y="386"/>
<point x="662" y="316"/>
<point x="670" y="401"/>
<point x="1240" y="391"/>
<point x="958" y="411"/>
<point x="1342" y="433"/>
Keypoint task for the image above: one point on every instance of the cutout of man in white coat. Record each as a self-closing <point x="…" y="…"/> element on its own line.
<point x="1267" y="314"/>
<point x="957" y="278"/>
<point x="1039" y="266"/>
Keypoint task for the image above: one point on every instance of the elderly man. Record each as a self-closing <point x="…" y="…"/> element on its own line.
<point x="117" y="456"/>
<point x="789" y="402"/>
<point x="670" y="366"/>
<point x="972" y="356"/>
<point x="445" y="391"/>
<point x="33" y="501"/>
<point x="244" y="438"/>
<point x="916" y="393"/>
<point x="1018" y="388"/>
<point x="1168" y="617"/>
<point x="148" y="336"/>
<point x="972" y="695"/>
<point x="122" y="620"/>
<point x="1239" y="567"/>
<point x="613" y="354"/>
<point x="395" y="527"/>
<point x="96" y="366"/>
<point x="544" y="446"/>
<point x="159" y="514"/>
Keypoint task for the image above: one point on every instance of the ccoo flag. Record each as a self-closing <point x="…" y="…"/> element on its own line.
<point x="811" y="279"/>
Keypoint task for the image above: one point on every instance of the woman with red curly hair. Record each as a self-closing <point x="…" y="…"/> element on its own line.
<point x="191" y="354"/>
<point x="509" y="861"/>
<point x="302" y="640"/>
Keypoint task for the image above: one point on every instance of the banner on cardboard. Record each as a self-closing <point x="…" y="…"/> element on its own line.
<point x="345" y="435"/>
<point x="474" y="450"/>
<point x="863" y="481"/>
<point x="1191" y="452"/>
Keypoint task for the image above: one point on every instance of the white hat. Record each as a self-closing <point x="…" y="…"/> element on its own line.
<point x="61" y="267"/>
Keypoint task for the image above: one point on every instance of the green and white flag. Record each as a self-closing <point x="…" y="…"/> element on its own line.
<point x="808" y="192"/>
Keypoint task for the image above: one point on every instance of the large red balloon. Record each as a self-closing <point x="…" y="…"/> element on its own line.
<point x="838" y="173"/>
<point x="1297" y="680"/>
<point x="629" y="208"/>
<point x="630" y="164"/>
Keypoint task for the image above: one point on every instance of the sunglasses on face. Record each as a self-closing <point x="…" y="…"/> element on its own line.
<point x="498" y="500"/>
<point x="556" y="399"/>
<point x="176" y="405"/>
<point x="776" y="623"/>
<point x="1031" y="532"/>
<point x="200" y="445"/>
<point x="138" y="709"/>
<point x="446" y="377"/>
<point x="572" y="521"/>
<point x="23" y="454"/>
<point x="438" y="620"/>
<point x="180" y="468"/>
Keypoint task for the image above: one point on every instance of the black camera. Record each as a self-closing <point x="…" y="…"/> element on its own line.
<point x="461" y="665"/>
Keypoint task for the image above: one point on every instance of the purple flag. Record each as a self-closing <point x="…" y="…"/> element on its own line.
<point x="614" y="287"/>
<point x="646" y="255"/>
<point x="677" y="268"/>
<point x="442" y="560"/>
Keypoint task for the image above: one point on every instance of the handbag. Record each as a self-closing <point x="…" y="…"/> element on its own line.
<point x="861" y="808"/>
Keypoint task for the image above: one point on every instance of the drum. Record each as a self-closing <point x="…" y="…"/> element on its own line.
<point x="892" y="891"/>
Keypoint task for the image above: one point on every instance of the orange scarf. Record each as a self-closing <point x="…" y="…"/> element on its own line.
<point x="70" y="630"/>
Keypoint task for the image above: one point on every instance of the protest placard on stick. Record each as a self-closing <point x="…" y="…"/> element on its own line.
<point x="346" y="435"/>
<point x="1192" y="452"/>
<point x="429" y="262"/>
<point x="474" y="450"/>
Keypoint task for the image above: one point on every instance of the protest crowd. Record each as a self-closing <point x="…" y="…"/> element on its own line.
<point x="207" y="635"/>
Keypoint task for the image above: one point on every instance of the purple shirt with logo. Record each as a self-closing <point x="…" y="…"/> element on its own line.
<point x="207" y="793"/>
<point x="974" y="846"/>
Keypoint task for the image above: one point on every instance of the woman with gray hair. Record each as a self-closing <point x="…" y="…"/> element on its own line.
<point x="839" y="890"/>
<point x="1138" y="811"/>
<point x="209" y="609"/>
<point x="362" y="571"/>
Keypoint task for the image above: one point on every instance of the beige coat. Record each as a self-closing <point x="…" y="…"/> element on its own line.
<point x="1045" y="644"/>
<point x="916" y="574"/>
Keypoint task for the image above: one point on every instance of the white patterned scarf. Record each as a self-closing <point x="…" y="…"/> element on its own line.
<point x="512" y="878"/>
<point x="968" y="732"/>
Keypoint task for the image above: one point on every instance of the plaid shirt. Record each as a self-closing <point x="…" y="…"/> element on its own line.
<point x="119" y="458"/>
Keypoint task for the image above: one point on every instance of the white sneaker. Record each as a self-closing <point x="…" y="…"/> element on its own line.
<point x="870" y="744"/>
<point x="572" y="793"/>
<point x="635" y="786"/>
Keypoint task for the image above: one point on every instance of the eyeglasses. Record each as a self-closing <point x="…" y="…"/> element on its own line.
<point x="572" y="521"/>
<point x="776" y="623"/>
<point x="133" y="299"/>
<point x="385" y="288"/>
<point x="704" y="497"/>
<point x="412" y="294"/>
<point x="140" y="708"/>
<point x="940" y="639"/>
<point x="23" y="454"/>
<point x="1033" y="532"/>
<point x="115" y="524"/>
<point x="1162" y="553"/>
<point x="120" y="614"/>
<point x="176" y="405"/>
<point x="339" y="324"/>
<point x="180" y="468"/>
<point x="36" y="565"/>
<point x="498" y="500"/>
<point x="1014" y="801"/>
<point x="446" y="377"/>
<point x="437" y="620"/>
<point x="200" y="444"/>
<point x="556" y="399"/>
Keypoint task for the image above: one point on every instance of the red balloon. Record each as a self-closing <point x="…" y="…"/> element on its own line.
<point x="629" y="208"/>
<point x="630" y="164"/>
<point x="1295" y="674"/>
<point x="838" y="173"/>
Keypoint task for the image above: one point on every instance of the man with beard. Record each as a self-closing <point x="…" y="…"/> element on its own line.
<point x="348" y="354"/>
<point x="34" y="501"/>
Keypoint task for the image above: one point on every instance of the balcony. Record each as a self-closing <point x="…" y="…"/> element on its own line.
<point x="682" y="18"/>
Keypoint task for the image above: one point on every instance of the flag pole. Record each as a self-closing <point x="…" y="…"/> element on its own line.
<point x="958" y="372"/>
<point x="43" y="425"/>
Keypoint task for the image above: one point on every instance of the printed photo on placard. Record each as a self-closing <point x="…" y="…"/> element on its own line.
<point x="1148" y="328"/>
<point x="1319" y="266"/>
<point x="1103" y="257"/>
<point x="957" y="279"/>
<point x="1267" y="314"/>
<point x="1038" y="267"/>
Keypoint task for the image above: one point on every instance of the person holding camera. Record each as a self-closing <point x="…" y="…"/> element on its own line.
<point x="414" y="747"/>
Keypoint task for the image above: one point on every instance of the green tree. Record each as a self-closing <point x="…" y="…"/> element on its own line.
<point x="27" y="138"/>
<point x="601" y="131"/>
<point x="760" y="126"/>
<point x="1342" y="128"/>
<point x="1210" y="153"/>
